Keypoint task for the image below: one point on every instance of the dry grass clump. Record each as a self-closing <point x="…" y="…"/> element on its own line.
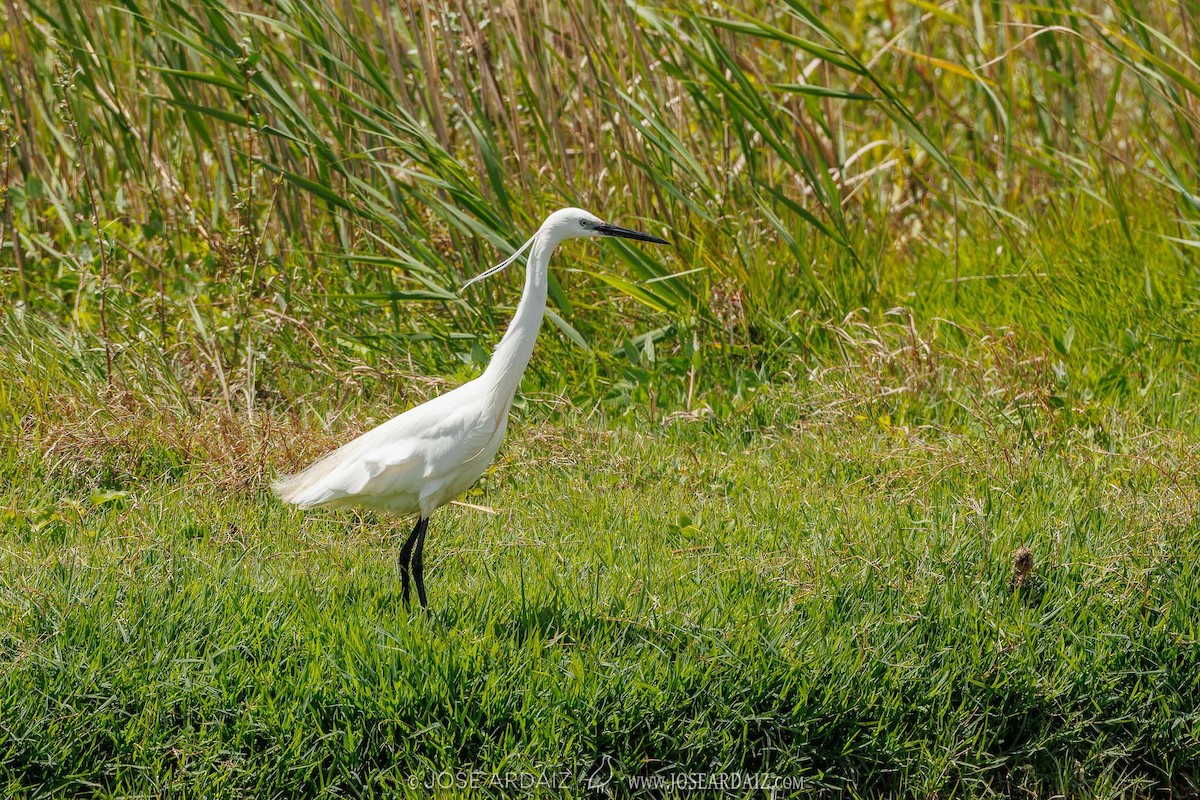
<point x="130" y="441"/>
<point x="1022" y="565"/>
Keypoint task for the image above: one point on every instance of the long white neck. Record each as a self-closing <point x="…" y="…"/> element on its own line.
<point x="512" y="354"/>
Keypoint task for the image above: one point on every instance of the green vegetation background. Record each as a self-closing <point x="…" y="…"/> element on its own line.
<point x="883" y="478"/>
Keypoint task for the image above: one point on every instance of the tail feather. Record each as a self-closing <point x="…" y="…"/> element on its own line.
<point x="313" y="486"/>
<point x="341" y="477"/>
<point x="290" y="489"/>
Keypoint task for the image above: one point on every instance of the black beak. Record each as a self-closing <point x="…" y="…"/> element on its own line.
<point x="605" y="229"/>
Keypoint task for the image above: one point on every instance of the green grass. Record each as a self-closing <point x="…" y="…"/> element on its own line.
<point x="831" y="602"/>
<point x="817" y="585"/>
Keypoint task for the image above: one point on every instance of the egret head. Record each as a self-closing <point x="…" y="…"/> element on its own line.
<point x="575" y="223"/>
<point x="568" y="223"/>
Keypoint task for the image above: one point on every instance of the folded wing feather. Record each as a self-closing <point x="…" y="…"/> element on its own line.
<point x="387" y="466"/>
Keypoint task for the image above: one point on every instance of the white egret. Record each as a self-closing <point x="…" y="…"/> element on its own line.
<point x="424" y="458"/>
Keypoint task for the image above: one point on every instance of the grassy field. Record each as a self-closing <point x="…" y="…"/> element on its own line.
<point x="883" y="479"/>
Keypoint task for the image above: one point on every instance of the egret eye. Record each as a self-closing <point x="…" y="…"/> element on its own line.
<point x="583" y="223"/>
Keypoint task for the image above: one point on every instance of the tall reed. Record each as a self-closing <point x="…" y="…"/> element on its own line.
<point x="272" y="163"/>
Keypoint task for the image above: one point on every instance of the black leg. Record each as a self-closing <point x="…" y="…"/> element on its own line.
<point x="418" y="563"/>
<point x="405" y="552"/>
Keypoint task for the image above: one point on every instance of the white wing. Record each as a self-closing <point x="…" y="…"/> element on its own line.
<point x="392" y="465"/>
